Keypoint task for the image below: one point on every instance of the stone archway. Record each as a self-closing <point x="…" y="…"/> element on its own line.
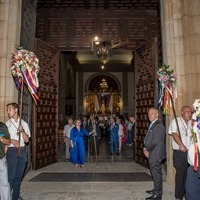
<point x="102" y="95"/>
<point x="102" y="74"/>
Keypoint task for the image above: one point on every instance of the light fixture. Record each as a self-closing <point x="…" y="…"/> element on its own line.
<point x="103" y="85"/>
<point x="102" y="49"/>
<point x="103" y="53"/>
<point x="96" y="40"/>
<point x="102" y="66"/>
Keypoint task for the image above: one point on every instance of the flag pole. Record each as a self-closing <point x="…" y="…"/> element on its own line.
<point x="174" y="112"/>
<point x="20" y="113"/>
<point x="95" y="148"/>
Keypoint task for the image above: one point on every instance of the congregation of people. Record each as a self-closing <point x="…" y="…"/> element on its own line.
<point x="84" y="136"/>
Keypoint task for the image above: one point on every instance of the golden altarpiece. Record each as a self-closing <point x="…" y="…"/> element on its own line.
<point x="103" y="97"/>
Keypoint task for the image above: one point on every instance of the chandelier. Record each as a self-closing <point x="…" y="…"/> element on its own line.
<point x="103" y="85"/>
<point x="103" y="54"/>
<point x="102" y="49"/>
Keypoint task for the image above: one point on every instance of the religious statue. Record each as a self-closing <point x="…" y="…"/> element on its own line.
<point x="103" y="107"/>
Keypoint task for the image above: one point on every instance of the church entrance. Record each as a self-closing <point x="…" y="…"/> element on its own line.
<point x="84" y="86"/>
<point x="103" y="98"/>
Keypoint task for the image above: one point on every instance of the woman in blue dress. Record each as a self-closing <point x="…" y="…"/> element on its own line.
<point x="77" y="152"/>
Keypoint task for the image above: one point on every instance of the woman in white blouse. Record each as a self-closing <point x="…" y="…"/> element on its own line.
<point x="120" y="133"/>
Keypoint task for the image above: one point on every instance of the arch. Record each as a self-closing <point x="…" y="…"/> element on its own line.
<point x="111" y="76"/>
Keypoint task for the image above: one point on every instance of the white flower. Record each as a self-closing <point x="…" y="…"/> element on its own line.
<point x="194" y="116"/>
<point x="196" y="105"/>
<point x="195" y="128"/>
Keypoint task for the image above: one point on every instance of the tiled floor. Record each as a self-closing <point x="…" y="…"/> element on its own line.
<point x="104" y="153"/>
<point x="91" y="177"/>
<point x="92" y="190"/>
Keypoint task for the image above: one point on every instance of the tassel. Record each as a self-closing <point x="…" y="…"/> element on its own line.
<point x="199" y="163"/>
<point x="195" y="157"/>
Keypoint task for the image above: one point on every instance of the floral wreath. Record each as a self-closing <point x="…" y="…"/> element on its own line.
<point x="196" y="133"/>
<point x="25" y="68"/>
<point x="167" y="84"/>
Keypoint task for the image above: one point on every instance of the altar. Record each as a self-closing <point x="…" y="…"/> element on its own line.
<point x="102" y="96"/>
<point x="103" y="103"/>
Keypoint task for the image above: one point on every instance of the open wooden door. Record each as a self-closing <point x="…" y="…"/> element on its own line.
<point x="146" y="65"/>
<point x="45" y="128"/>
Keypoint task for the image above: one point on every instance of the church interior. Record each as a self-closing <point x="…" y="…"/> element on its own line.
<point x="99" y="57"/>
<point x="93" y="54"/>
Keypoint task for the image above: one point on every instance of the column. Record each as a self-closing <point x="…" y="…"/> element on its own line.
<point x="181" y="50"/>
<point x="10" y="26"/>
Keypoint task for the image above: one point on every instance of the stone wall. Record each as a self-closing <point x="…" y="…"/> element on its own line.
<point x="10" y="25"/>
<point x="27" y="41"/>
<point x="181" y="50"/>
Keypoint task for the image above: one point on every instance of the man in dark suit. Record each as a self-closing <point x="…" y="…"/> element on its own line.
<point x="97" y="134"/>
<point x="155" y="151"/>
<point x="85" y="126"/>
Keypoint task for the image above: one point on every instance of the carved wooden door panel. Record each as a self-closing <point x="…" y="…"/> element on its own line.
<point x="45" y="130"/>
<point x="146" y="64"/>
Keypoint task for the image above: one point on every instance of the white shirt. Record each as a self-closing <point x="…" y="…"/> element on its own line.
<point x="12" y="128"/>
<point x="67" y="130"/>
<point x="185" y="132"/>
<point x="120" y="132"/>
<point x="94" y="128"/>
<point x="191" y="153"/>
<point x="130" y="125"/>
<point x="150" y="125"/>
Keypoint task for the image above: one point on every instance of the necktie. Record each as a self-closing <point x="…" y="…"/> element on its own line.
<point x="149" y="127"/>
<point x="148" y="132"/>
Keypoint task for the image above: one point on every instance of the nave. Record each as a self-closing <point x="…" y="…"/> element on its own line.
<point x="127" y="154"/>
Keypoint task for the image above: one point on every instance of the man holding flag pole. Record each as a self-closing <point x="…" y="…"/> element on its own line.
<point x="16" y="152"/>
<point x="24" y="69"/>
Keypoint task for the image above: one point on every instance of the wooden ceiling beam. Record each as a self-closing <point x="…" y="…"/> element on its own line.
<point x="99" y="4"/>
<point x="87" y="4"/>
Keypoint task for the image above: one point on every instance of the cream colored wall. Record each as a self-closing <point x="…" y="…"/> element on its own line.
<point x="181" y="50"/>
<point x="10" y="26"/>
